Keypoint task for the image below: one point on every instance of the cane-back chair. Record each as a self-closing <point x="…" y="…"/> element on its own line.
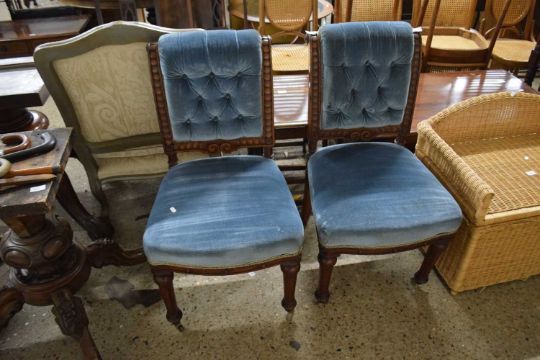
<point x="513" y="48"/>
<point x="367" y="10"/>
<point x="454" y="47"/>
<point x="100" y="82"/>
<point x="220" y="215"/>
<point x="290" y="17"/>
<point x="370" y="197"/>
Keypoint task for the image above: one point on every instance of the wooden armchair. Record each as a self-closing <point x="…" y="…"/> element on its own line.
<point x="100" y="81"/>
<point x="486" y="151"/>
<point x="450" y="42"/>
<point x="367" y="10"/>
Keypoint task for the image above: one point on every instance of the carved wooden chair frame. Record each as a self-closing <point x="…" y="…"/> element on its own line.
<point x="163" y="274"/>
<point x="328" y="256"/>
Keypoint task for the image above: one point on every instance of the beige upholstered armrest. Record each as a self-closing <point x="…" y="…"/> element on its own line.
<point x="473" y="193"/>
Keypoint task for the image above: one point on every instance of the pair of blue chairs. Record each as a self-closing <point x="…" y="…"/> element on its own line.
<point x="234" y="214"/>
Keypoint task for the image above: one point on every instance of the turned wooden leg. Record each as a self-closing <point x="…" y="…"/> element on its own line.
<point x="95" y="227"/>
<point x="71" y="318"/>
<point x="11" y="302"/>
<point x="306" y="203"/>
<point x="326" y="262"/>
<point x="164" y="279"/>
<point x="290" y="273"/>
<point x="434" y="251"/>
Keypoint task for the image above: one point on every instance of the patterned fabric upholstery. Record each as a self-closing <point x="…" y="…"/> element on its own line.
<point x="366" y="72"/>
<point x="110" y="101"/>
<point x="376" y="195"/>
<point x="223" y="212"/>
<point x="213" y="91"/>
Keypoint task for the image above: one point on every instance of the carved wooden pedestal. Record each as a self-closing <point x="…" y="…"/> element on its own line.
<point x="46" y="266"/>
<point x="21" y="119"/>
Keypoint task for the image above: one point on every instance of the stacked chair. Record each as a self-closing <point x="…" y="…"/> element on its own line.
<point x="485" y="150"/>
<point x="290" y="19"/>
<point x="451" y="43"/>
<point x="512" y="52"/>
<point x="367" y="10"/>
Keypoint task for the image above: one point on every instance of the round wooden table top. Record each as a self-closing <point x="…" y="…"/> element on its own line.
<point x="237" y="9"/>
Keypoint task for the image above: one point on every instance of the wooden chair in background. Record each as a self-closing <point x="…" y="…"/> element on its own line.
<point x="453" y="47"/>
<point x="290" y="17"/>
<point x="367" y="10"/>
<point x="511" y="52"/>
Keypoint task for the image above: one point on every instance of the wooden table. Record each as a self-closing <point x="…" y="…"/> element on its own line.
<point x="47" y="267"/>
<point x="436" y="92"/>
<point x="21" y="86"/>
<point x="21" y="37"/>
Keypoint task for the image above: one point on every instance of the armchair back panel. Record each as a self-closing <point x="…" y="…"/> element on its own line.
<point x="110" y="90"/>
<point x="368" y="10"/>
<point x="367" y="80"/>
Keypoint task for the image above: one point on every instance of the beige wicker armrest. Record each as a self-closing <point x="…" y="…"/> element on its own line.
<point x="473" y="193"/>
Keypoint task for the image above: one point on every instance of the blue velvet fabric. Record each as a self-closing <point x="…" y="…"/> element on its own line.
<point x="228" y="212"/>
<point x="377" y="195"/>
<point x="366" y="73"/>
<point x="212" y="83"/>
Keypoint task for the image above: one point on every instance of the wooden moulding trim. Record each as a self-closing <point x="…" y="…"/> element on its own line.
<point x="228" y="270"/>
<point x="213" y="147"/>
<point x="399" y="132"/>
<point x="385" y="250"/>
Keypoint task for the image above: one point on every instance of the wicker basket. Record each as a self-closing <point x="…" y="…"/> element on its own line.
<point x="486" y="151"/>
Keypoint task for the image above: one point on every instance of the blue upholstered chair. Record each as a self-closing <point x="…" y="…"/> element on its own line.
<point x="218" y="215"/>
<point x="370" y="197"/>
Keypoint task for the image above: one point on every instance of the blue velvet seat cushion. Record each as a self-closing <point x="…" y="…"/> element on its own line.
<point x="222" y="212"/>
<point x="212" y="82"/>
<point x="366" y="73"/>
<point x="377" y="195"/>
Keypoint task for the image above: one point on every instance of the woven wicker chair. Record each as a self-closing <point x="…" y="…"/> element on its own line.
<point x="451" y="44"/>
<point x="290" y="18"/>
<point x="486" y="151"/>
<point x="367" y="10"/>
<point x="512" y="52"/>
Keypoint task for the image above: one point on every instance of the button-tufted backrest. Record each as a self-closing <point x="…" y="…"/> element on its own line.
<point x="212" y="83"/>
<point x="366" y="73"/>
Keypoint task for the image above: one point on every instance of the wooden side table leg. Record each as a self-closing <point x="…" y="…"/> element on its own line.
<point x="95" y="227"/>
<point x="71" y="318"/>
<point x="11" y="302"/>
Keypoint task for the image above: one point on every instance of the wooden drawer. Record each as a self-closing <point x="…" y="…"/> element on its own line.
<point x="14" y="48"/>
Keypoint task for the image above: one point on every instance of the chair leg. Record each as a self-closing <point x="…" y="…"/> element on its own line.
<point x="326" y="264"/>
<point x="306" y="203"/>
<point x="434" y="252"/>
<point x="290" y="273"/>
<point x="164" y="279"/>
